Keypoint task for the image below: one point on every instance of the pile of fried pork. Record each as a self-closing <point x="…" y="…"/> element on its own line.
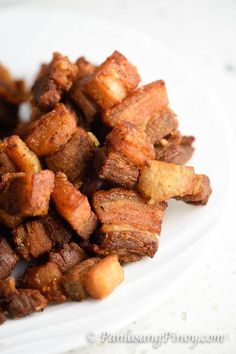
<point x="84" y="184"/>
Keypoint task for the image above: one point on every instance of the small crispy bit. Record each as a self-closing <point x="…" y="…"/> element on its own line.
<point x="26" y="302"/>
<point x="46" y="93"/>
<point x="176" y="149"/>
<point x="110" y="82"/>
<point x="53" y="131"/>
<point x="21" y="155"/>
<point x="6" y="164"/>
<point x="201" y="191"/>
<point x="8" y="259"/>
<point x="103" y="277"/>
<point x="84" y="67"/>
<point x="128" y="243"/>
<point x="67" y="256"/>
<point x="126" y="207"/>
<point x="74" y="158"/>
<point x="111" y="166"/>
<point x="12" y="91"/>
<point x="139" y="107"/>
<point x="20" y="302"/>
<point x="46" y="278"/>
<point x="162" y="124"/>
<point x="161" y="180"/>
<point x="53" y="79"/>
<point x="73" y="281"/>
<point x="26" y="194"/>
<point x="31" y="239"/>
<point x="73" y="206"/>
<point x="131" y="142"/>
<point x="7" y="289"/>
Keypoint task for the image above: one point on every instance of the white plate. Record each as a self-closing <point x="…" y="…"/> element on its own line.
<point x="27" y="39"/>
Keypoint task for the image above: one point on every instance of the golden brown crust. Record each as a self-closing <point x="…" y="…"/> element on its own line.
<point x="83" y="101"/>
<point x="73" y="281"/>
<point x="128" y="243"/>
<point x="46" y="278"/>
<point x="56" y="228"/>
<point x="175" y="148"/>
<point x="111" y="166"/>
<point x="18" y="303"/>
<point x="8" y="259"/>
<point x="52" y="80"/>
<point x="162" y="124"/>
<point x="26" y="194"/>
<point x="31" y="239"/>
<point x="201" y="191"/>
<point x="67" y="256"/>
<point x="21" y="155"/>
<point x="73" y="206"/>
<point x="126" y="207"/>
<point x="139" y="106"/>
<point x="110" y="82"/>
<point x="74" y="158"/>
<point x="131" y="142"/>
<point x="53" y="131"/>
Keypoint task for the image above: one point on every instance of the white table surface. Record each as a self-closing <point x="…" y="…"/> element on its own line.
<point x="203" y="32"/>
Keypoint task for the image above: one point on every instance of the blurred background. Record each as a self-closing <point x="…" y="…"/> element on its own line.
<point x="203" y="33"/>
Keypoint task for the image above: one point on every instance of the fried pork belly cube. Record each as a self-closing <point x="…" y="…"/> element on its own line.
<point x="20" y="302"/>
<point x="162" y="124"/>
<point x="73" y="280"/>
<point x="31" y="239"/>
<point x="73" y="206"/>
<point x="127" y="242"/>
<point x="56" y="228"/>
<point x="103" y="277"/>
<point x="9" y="220"/>
<point x="53" y="131"/>
<point x="162" y="181"/>
<point x="111" y="82"/>
<point x="67" y="256"/>
<point x="83" y="101"/>
<point x="175" y="148"/>
<point x="201" y="191"/>
<point x="74" y="157"/>
<point x="120" y="206"/>
<point x="84" y="67"/>
<point x="8" y="259"/>
<point x="53" y="79"/>
<point x="47" y="279"/>
<point x="25" y="303"/>
<point x="26" y="194"/>
<point x="139" y="106"/>
<point x="21" y="155"/>
<point x="131" y="142"/>
<point x="112" y="167"/>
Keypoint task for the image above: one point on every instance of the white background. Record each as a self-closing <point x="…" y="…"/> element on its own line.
<point x="204" y="34"/>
